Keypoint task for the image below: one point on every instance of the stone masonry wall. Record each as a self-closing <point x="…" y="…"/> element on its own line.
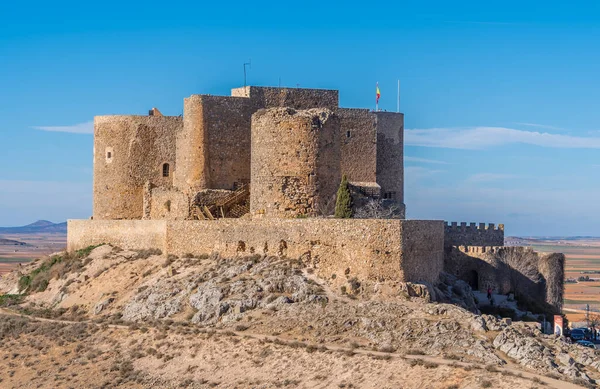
<point x="169" y="204"/>
<point x="297" y="98"/>
<point x="295" y="161"/>
<point x="128" y="152"/>
<point x="378" y="250"/>
<point x="358" y="144"/>
<point x="227" y="123"/>
<point x="390" y="155"/>
<point x="473" y="234"/>
<point x="127" y="234"/>
<point x="192" y="159"/>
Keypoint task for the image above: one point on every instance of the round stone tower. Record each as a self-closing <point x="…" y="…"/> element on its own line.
<point x="295" y="162"/>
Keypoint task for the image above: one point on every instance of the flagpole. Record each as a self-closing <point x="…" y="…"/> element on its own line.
<point x="398" y="106"/>
<point x="377" y="98"/>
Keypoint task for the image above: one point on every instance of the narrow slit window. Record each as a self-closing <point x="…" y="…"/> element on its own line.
<point x="165" y="170"/>
<point x="348" y="134"/>
<point x="109" y="155"/>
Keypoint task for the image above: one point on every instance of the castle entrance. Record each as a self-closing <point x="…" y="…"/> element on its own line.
<point x="473" y="280"/>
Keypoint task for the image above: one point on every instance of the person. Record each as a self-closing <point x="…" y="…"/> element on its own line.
<point x="489" y="290"/>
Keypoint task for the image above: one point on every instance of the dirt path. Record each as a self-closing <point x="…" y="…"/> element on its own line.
<point x="511" y="368"/>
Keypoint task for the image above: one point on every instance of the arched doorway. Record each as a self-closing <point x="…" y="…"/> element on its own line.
<point x="473" y="280"/>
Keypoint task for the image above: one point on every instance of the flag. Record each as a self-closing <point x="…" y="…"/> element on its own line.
<point x="377" y="93"/>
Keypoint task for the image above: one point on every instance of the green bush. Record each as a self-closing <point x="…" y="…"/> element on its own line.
<point x="56" y="266"/>
<point x="6" y="300"/>
<point x="343" y="203"/>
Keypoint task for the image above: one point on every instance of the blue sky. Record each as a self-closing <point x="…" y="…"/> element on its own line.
<point x="500" y="98"/>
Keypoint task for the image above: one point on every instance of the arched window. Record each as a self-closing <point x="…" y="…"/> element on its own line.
<point x="165" y="170"/>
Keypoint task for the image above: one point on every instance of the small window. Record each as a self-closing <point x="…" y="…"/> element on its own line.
<point x="109" y="155"/>
<point x="348" y="134"/>
<point x="389" y="195"/>
<point x="165" y="170"/>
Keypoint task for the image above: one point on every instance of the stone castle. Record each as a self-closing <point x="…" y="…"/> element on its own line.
<point x="291" y="145"/>
<point x="257" y="173"/>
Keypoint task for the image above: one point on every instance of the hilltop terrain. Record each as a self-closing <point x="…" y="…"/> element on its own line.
<point x="141" y="319"/>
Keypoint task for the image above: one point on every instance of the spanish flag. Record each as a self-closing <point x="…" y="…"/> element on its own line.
<point x="377" y="93"/>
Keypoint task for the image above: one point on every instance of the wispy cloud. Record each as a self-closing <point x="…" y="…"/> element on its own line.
<point x="81" y="128"/>
<point x="484" y="137"/>
<point x="417" y="172"/>
<point x="489" y="177"/>
<point x="544" y="126"/>
<point x="424" y="160"/>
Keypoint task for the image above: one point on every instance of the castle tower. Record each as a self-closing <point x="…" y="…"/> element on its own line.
<point x="192" y="163"/>
<point x="295" y="162"/>
<point x="390" y="157"/>
<point x="130" y="151"/>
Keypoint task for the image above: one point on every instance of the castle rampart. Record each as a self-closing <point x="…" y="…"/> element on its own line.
<point x="369" y="249"/>
<point x="128" y="152"/>
<point x="473" y="234"/>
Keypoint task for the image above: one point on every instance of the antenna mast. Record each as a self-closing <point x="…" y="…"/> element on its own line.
<point x="249" y="63"/>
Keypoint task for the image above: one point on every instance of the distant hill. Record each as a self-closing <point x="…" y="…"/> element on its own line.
<point x="40" y="226"/>
<point x="10" y="242"/>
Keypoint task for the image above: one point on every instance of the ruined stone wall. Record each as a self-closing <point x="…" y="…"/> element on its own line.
<point x="376" y="250"/>
<point x="295" y="161"/>
<point x="169" y="204"/>
<point x="128" y="152"/>
<point x="473" y="234"/>
<point x="390" y="155"/>
<point x="358" y="144"/>
<point x="531" y="276"/>
<point x="552" y="268"/>
<point x="297" y="98"/>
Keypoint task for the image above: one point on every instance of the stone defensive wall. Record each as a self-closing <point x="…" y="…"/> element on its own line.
<point x="473" y="234"/>
<point x="369" y="249"/>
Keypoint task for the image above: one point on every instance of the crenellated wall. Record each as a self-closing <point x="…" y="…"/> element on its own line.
<point x="473" y="234"/>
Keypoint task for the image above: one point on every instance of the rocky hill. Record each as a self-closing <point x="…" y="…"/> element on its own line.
<point x="140" y="319"/>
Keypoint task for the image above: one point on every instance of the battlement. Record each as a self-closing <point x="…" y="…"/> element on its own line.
<point x="451" y="226"/>
<point x="473" y="234"/>
<point x="480" y="249"/>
